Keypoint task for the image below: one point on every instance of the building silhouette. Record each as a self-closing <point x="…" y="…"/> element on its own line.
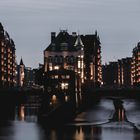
<point x="124" y="72"/>
<point x="39" y="75"/>
<point x="7" y="60"/>
<point x="80" y="54"/>
<point x="118" y="74"/>
<point x="110" y="75"/>
<point x="136" y="65"/>
<point x="92" y="59"/>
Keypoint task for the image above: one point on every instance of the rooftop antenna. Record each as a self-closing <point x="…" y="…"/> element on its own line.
<point x="96" y="32"/>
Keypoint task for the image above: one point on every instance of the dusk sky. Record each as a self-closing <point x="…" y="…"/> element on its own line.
<point x="30" y="23"/>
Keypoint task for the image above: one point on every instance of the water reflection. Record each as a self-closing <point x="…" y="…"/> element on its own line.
<point x="119" y="114"/>
<point x="87" y="132"/>
<point x="22" y="113"/>
<point x="78" y="98"/>
<point x="26" y="113"/>
<point x="25" y="126"/>
<point x="79" y="134"/>
<point x="73" y="133"/>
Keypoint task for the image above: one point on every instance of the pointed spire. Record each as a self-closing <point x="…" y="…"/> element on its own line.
<point x="21" y="61"/>
<point x="78" y="41"/>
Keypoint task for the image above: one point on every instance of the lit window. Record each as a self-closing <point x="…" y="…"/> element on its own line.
<point x="63" y="77"/>
<point x="64" y="86"/>
<point x="50" y="67"/>
<point x="2" y="43"/>
<point x="67" y="76"/>
<point x="56" y="76"/>
<point x="79" y="64"/>
<point x="56" y="67"/>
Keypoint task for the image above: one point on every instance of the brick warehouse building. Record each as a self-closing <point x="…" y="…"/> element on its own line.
<point x="117" y="74"/>
<point x="7" y="59"/>
<point x="80" y="54"/>
<point x="124" y="72"/>
<point x="136" y="65"/>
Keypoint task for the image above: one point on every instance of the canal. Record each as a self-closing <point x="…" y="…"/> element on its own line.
<point x="106" y="119"/>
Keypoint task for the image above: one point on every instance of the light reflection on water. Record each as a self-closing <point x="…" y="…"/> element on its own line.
<point x="22" y="113"/>
<point x="32" y="131"/>
<point x="26" y="113"/>
<point x="92" y="133"/>
<point x="25" y="127"/>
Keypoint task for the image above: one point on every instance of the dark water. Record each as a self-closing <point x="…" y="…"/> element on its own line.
<point x="109" y="119"/>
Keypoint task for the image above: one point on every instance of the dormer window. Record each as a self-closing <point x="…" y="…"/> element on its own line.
<point x="64" y="46"/>
<point x="56" y="59"/>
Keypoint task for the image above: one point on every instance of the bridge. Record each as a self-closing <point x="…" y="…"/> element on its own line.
<point x="62" y="109"/>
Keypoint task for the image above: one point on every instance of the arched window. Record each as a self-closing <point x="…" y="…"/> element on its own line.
<point x="72" y="59"/>
<point x="66" y="59"/>
<point x="56" y="59"/>
<point x="50" y="59"/>
<point x="61" y="59"/>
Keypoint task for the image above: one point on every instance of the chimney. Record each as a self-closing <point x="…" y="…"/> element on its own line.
<point x="53" y="35"/>
<point x="74" y="34"/>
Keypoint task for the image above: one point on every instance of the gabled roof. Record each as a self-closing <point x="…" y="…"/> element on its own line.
<point x="66" y="42"/>
<point x="63" y="42"/>
<point x="4" y="36"/>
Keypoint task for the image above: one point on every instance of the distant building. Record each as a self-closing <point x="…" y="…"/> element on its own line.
<point x="118" y="74"/>
<point x="136" y="65"/>
<point x="7" y="60"/>
<point x="78" y="53"/>
<point x="110" y="74"/>
<point x="124" y="72"/>
<point x="29" y="77"/>
<point x="25" y="76"/>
